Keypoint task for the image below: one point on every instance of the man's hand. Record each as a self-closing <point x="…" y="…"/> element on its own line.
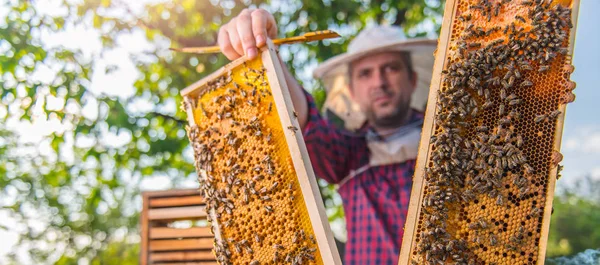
<point x="246" y="32"/>
<point x="250" y="30"/>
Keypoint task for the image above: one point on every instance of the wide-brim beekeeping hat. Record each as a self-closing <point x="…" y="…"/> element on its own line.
<point x="375" y="39"/>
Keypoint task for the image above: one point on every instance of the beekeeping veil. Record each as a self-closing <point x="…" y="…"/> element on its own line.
<point x="334" y="71"/>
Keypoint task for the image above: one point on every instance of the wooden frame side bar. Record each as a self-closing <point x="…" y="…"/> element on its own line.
<point x="543" y="241"/>
<point x="414" y="207"/>
<point x="300" y="157"/>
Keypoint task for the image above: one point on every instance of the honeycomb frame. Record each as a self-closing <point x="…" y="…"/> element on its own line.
<point x="246" y="238"/>
<point x="475" y="240"/>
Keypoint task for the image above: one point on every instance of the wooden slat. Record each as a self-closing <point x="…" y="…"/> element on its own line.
<point x="189" y="263"/>
<point x="177" y="213"/>
<point x="171" y="193"/>
<point x="183" y="244"/>
<point x="144" y="231"/>
<point x="176" y="201"/>
<point x="205" y="255"/>
<point x="166" y="232"/>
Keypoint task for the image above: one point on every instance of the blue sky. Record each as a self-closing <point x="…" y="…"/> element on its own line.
<point x="581" y="138"/>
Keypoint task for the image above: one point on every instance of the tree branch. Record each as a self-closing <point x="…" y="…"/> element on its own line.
<point x="400" y="17"/>
<point x="167" y="117"/>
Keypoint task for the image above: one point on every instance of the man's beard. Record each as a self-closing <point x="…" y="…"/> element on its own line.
<point x="392" y="120"/>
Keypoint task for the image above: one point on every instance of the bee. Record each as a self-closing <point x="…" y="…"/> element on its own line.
<point x="528" y="169"/>
<point x="526" y="83"/>
<point x="238" y="249"/>
<point x="539" y="118"/>
<point x="254" y="262"/>
<point x="499" y="200"/>
<point x="250" y="251"/>
<point x="501" y="110"/>
<point x="203" y="109"/>
<point x="563" y="50"/>
<point x="493" y="240"/>
<point x="519" y="140"/>
<point x="257" y="238"/>
<point x="269" y="209"/>
<point x="474" y="45"/>
<point x="543" y="68"/>
<point x="295" y="114"/>
<point x="274" y="186"/>
<point x="554" y="114"/>
<point x="270" y="107"/>
<point x="520" y="18"/>
<point x="465" y="18"/>
<point x="474" y="112"/>
<point x="293" y="128"/>
<point x="505" y="84"/>
<point x="515" y="102"/>
<point x="482" y="128"/>
<point x="494" y="80"/>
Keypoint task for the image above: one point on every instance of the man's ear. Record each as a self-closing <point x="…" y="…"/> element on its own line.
<point x="351" y="90"/>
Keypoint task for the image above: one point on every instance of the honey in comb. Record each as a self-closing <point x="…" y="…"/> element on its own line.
<point x="249" y="180"/>
<point x="486" y="179"/>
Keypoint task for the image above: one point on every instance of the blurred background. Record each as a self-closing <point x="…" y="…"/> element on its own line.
<point x="89" y="115"/>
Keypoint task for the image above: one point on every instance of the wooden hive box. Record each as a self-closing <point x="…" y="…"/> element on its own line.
<point x="162" y="242"/>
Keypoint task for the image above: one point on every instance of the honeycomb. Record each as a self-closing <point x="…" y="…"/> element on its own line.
<point x="492" y="157"/>
<point x="258" y="213"/>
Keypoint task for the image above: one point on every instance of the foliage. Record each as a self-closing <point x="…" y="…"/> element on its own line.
<point x="574" y="226"/>
<point x="73" y="157"/>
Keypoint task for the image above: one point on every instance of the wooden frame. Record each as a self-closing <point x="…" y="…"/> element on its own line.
<point x="161" y="244"/>
<point x="295" y="142"/>
<point x="415" y="203"/>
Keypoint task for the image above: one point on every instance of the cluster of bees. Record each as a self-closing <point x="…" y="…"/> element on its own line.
<point x="491" y="150"/>
<point x="245" y="172"/>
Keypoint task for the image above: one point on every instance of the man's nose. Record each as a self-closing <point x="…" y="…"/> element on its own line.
<point x="381" y="80"/>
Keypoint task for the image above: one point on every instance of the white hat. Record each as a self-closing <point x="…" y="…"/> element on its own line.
<point x="334" y="71"/>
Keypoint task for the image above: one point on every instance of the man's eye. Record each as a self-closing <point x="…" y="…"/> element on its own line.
<point x="393" y="68"/>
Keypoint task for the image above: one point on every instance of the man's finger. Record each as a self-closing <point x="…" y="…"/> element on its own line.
<point x="225" y="45"/>
<point x="234" y="37"/>
<point x="244" y="28"/>
<point x="263" y="25"/>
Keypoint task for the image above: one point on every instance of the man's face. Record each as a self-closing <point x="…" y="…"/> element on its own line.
<point x="382" y="85"/>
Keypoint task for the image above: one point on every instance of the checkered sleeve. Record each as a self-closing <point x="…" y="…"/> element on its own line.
<point x="330" y="151"/>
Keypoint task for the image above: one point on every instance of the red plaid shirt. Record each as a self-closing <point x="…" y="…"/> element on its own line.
<point x="375" y="200"/>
